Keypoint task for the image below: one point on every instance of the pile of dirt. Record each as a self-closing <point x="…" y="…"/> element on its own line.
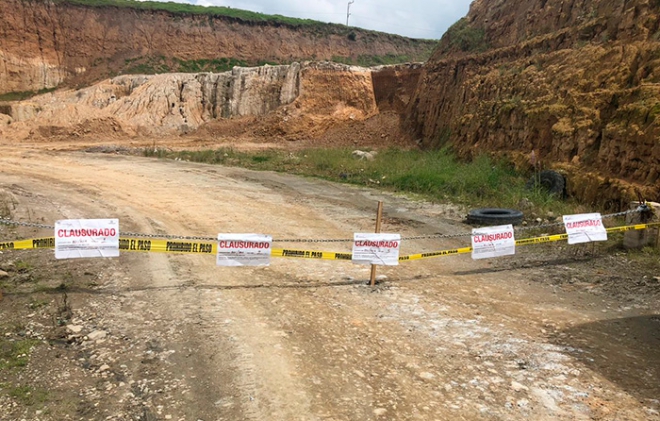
<point x="107" y="127"/>
<point x="377" y="132"/>
<point x="380" y="131"/>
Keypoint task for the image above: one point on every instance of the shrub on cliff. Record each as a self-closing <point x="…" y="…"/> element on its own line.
<point x="465" y="37"/>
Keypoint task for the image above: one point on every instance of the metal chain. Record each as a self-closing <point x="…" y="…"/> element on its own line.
<point x="540" y="226"/>
<point x="169" y="236"/>
<point x="7" y="221"/>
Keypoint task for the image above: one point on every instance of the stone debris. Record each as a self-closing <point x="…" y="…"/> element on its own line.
<point x="96" y="335"/>
<point x="74" y="328"/>
<point x="369" y="156"/>
<point x="517" y="387"/>
<point x="380" y="411"/>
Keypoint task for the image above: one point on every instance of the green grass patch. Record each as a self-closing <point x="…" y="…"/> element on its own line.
<point x="435" y="175"/>
<point x="27" y="395"/>
<point x="648" y="255"/>
<point x="19" y="96"/>
<point x="227" y="12"/>
<point x="465" y="37"/>
<point x="366" y="60"/>
<point x="37" y="303"/>
<point x="23" y="266"/>
<point x="147" y="65"/>
<point x="15" y="354"/>
<point x="318" y="28"/>
<point x="150" y="65"/>
<point x="189" y="9"/>
<point x="208" y="65"/>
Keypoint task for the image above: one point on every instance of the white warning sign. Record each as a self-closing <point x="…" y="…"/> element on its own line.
<point x="244" y="249"/>
<point x="376" y="249"/>
<point x="77" y="238"/>
<point x="488" y="242"/>
<point x="585" y="228"/>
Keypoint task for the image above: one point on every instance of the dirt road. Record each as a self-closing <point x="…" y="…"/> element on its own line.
<point x="532" y="337"/>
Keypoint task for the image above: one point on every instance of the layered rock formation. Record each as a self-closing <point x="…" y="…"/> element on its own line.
<point x="44" y="43"/>
<point x="301" y="100"/>
<point x="576" y="81"/>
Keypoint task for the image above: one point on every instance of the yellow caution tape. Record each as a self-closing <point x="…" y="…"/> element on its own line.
<point x="167" y="246"/>
<point x="523" y="242"/>
<point x="633" y="227"/>
<point x="310" y="254"/>
<point x="432" y="254"/>
<point x="539" y="240"/>
<point x="207" y="247"/>
<point x="36" y="243"/>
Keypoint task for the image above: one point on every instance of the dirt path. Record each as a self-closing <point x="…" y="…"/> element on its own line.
<point x="307" y="340"/>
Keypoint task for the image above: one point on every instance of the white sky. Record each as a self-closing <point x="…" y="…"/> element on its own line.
<point x="412" y="18"/>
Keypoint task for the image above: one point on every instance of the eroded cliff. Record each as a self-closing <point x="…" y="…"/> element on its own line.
<point x="576" y="81"/>
<point x="295" y="101"/>
<point x="45" y="43"/>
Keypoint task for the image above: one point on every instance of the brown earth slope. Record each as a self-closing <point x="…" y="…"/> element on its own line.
<point x="43" y="43"/>
<point x="576" y="81"/>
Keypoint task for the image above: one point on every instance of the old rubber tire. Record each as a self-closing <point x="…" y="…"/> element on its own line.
<point x="494" y="216"/>
<point x="549" y="181"/>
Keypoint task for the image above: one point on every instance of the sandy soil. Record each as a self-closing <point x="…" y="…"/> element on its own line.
<point x="555" y="333"/>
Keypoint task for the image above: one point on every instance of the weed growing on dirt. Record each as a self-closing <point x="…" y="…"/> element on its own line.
<point x="23" y="266"/>
<point x="435" y="175"/>
<point x="37" y="303"/>
<point x="27" y="395"/>
<point x="647" y="254"/>
<point x="16" y="353"/>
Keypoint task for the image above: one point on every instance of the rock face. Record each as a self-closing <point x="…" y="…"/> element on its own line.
<point x="576" y="81"/>
<point x="44" y="43"/>
<point x="299" y="99"/>
<point x="169" y="103"/>
<point x="395" y="85"/>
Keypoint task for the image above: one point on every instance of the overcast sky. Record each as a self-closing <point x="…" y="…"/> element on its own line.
<point x="412" y="18"/>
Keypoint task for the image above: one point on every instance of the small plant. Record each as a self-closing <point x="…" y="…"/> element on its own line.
<point x="17" y="353"/>
<point x="261" y="158"/>
<point x="64" y="311"/>
<point x="35" y="304"/>
<point x="23" y="266"/>
<point x="215" y="65"/>
<point x="28" y="396"/>
<point x="467" y="38"/>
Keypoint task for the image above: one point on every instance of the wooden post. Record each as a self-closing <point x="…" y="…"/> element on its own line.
<point x="379" y="216"/>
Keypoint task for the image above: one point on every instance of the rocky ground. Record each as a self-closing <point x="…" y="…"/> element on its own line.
<point x="554" y="333"/>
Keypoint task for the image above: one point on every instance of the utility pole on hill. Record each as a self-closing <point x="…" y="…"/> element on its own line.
<point x="348" y="10"/>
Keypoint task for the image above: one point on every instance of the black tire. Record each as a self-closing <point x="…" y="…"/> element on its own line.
<point x="549" y="181"/>
<point x="494" y="216"/>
